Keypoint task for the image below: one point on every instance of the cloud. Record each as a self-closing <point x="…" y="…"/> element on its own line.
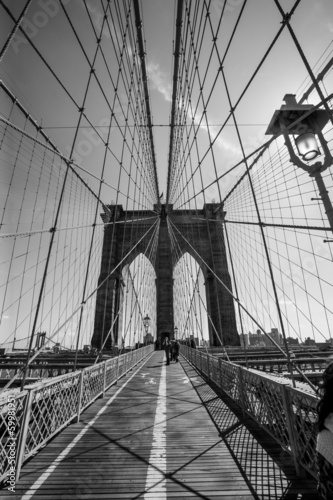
<point x="213" y="130"/>
<point x="159" y="80"/>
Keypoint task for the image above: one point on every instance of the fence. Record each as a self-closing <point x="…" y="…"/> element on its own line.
<point x="30" y="418"/>
<point x="287" y="414"/>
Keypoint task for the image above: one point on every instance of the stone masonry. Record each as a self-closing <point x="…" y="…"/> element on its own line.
<point x="200" y="233"/>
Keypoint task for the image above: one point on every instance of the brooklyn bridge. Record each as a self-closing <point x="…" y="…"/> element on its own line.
<point x="165" y="175"/>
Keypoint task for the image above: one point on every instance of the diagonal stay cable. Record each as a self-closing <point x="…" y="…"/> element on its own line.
<point x="242" y="306"/>
<point x="78" y="309"/>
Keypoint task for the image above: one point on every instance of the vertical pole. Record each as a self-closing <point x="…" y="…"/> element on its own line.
<point x="126" y="363"/>
<point x="24" y="431"/>
<point x="236" y="292"/>
<point x="79" y="397"/>
<point x="288" y="412"/>
<point x="117" y="370"/>
<point x="208" y="366"/>
<point x="104" y="379"/>
<point x="263" y="236"/>
<point x="241" y="389"/>
<point x="47" y="262"/>
<point x="220" y="370"/>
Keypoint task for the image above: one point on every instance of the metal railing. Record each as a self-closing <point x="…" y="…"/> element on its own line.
<point x="287" y="414"/>
<point x="29" y="419"/>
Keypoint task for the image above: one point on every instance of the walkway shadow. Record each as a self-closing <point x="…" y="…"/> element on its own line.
<point x="268" y="470"/>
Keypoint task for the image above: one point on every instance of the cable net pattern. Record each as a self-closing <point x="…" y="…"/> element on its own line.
<point x="58" y="194"/>
<point x="99" y="174"/>
<point x="275" y="229"/>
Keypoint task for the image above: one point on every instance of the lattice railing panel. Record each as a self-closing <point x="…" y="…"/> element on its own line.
<point x="9" y="426"/>
<point x="52" y="407"/>
<point x="214" y="370"/>
<point x="229" y="377"/>
<point x="264" y="401"/>
<point x="111" y="372"/>
<point x="92" y="384"/>
<point x="288" y="414"/>
<point x="304" y="418"/>
<point x="122" y="366"/>
<point x="44" y="409"/>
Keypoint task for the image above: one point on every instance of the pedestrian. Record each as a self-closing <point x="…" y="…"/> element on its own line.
<point x="172" y="352"/>
<point x="167" y="346"/>
<point x="325" y="435"/>
<point x="176" y="348"/>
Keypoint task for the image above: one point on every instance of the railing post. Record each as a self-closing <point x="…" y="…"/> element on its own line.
<point x="208" y="366"/>
<point x="117" y="371"/>
<point x="24" y="432"/>
<point x="79" y="397"/>
<point x="288" y="411"/>
<point x="241" y="389"/>
<point x="220" y="373"/>
<point x="104" y="379"/>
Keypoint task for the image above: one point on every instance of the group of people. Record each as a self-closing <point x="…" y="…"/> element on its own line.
<point x="171" y="348"/>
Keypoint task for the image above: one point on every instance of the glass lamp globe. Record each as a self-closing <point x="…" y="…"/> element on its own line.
<point x="146" y="321"/>
<point x="307" y="146"/>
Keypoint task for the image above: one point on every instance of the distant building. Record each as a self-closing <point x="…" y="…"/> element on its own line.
<point x="292" y="341"/>
<point x="275" y="335"/>
<point x="256" y="339"/>
<point x="309" y="341"/>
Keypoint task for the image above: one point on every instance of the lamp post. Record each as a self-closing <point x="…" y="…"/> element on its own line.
<point x="305" y="122"/>
<point x="176" y="332"/>
<point x="146" y="323"/>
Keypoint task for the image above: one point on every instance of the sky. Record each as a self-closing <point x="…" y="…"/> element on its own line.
<point x="283" y="71"/>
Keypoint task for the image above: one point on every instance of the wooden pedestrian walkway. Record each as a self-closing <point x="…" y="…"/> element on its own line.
<point x="161" y="433"/>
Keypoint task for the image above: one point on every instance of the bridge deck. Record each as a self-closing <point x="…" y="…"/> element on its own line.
<point x="161" y="433"/>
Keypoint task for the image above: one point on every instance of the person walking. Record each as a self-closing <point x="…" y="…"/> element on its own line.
<point x="176" y="348"/>
<point x="325" y="435"/>
<point x="172" y="352"/>
<point x="167" y="347"/>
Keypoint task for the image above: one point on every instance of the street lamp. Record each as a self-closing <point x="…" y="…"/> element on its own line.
<point x="305" y="123"/>
<point x="146" y="323"/>
<point x="176" y="331"/>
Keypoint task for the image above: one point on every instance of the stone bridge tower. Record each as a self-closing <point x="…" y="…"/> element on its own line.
<point x="198" y="232"/>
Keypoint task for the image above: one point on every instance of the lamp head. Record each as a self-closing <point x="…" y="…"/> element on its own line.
<point x="307" y="121"/>
<point x="146" y="321"/>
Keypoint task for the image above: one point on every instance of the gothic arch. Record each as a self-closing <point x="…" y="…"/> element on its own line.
<point x="200" y="233"/>
<point x="193" y="322"/>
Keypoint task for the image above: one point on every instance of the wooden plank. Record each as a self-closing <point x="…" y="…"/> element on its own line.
<point x="203" y="450"/>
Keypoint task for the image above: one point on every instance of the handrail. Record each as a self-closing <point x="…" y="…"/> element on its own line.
<point x="29" y="419"/>
<point x="288" y="414"/>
